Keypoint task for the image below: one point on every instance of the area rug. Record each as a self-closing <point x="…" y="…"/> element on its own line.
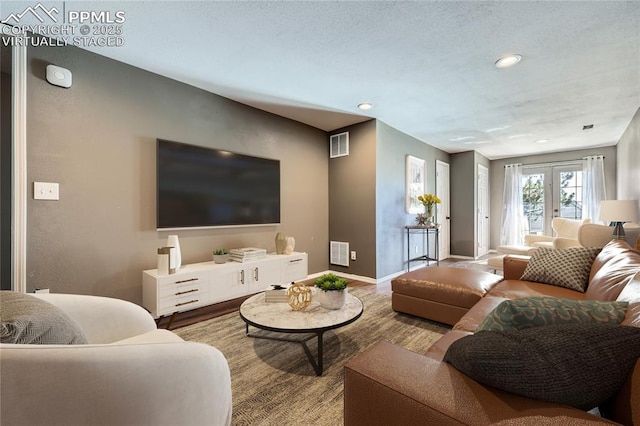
<point x="273" y="382"/>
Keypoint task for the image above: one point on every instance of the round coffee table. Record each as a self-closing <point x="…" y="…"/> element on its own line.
<point x="314" y="320"/>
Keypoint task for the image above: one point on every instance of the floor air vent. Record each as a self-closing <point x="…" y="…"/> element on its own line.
<point x="339" y="145"/>
<point x="339" y="253"/>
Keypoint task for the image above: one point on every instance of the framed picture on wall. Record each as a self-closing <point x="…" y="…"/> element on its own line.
<point x="415" y="171"/>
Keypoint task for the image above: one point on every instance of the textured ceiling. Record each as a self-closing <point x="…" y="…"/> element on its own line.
<point x="428" y="67"/>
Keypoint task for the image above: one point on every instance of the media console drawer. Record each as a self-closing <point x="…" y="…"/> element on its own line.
<point x="202" y="284"/>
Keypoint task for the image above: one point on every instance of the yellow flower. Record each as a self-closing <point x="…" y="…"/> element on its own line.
<point x="429" y="199"/>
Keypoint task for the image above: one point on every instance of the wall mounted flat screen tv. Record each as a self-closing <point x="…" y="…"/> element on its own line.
<point x="203" y="187"/>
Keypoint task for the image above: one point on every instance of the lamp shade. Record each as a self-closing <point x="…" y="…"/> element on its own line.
<point x="619" y="211"/>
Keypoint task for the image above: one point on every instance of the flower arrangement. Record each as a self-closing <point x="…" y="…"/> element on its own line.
<point x="428" y="201"/>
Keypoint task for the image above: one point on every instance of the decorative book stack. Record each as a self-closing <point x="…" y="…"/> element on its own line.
<point x="276" y="296"/>
<point x="246" y="254"/>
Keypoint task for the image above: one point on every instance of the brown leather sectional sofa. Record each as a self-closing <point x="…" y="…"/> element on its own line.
<point x="389" y="385"/>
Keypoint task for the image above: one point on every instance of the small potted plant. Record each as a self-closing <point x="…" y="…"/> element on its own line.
<point x="333" y="291"/>
<point x="220" y="255"/>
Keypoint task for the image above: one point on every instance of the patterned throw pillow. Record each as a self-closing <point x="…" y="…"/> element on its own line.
<point x="28" y="319"/>
<point x="581" y="365"/>
<point x="567" y="268"/>
<point x="528" y="312"/>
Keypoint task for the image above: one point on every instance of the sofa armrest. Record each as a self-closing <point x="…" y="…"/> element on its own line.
<point x="161" y="384"/>
<point x="391" y="385"/>
<point x="103" y="319"/>
<point x="514" y="266"/>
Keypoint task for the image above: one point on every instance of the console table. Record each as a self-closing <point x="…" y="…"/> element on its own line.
<point x="428" y="232"/>
<point x="203" y="284"/>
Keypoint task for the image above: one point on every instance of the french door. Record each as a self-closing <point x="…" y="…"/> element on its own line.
<point x="551" y="191"/>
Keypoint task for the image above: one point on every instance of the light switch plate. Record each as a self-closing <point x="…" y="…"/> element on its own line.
<point x="46" y="191"/>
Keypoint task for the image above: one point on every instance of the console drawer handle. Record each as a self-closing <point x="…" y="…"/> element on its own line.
<point x="186" y="281"/>
<point x="186" y="303"/>
<point x="295" y="260"/>
<point x="186" y="292"/>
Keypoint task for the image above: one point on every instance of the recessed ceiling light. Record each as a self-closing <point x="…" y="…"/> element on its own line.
<point x="365" y="106"/>
<point x="463" y="138"/>
<point x="542" y="141"/>
<point x="496" y="129"/>
<point x="508" y="61"/>
<point x="520" y="135"/>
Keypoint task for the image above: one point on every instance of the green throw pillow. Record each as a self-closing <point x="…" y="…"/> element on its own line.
<point x="28" y="319"/>
<point x="567" y="268"/>
<point x="530" y="312"/>
<point x="581" y="365"/>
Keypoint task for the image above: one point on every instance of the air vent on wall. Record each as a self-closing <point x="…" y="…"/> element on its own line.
<point x="339" y="253"/>
<point x="339" y="145"/>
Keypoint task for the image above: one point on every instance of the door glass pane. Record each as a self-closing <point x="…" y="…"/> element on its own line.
<point x="533" y="202"/>
<point x="571" y="194"/>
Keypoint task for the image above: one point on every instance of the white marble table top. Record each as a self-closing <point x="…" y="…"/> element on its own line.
<point x="280" y="315"/>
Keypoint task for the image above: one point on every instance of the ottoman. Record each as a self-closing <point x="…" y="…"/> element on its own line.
<point x="440" y="293"/>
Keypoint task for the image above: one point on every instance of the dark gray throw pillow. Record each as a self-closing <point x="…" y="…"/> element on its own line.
<point x="581" y="365"/>
<point x="28" y="319"/>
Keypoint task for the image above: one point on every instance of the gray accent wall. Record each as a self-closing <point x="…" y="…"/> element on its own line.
<point x="97" y="140"/>
<point x="629" y="161"/>
<point x="496" y="178"/>
<point x="352" y="199"/>
<point x="391" y="242"/>
<point x="366" y="197"/>
<point x="464" y="202"/>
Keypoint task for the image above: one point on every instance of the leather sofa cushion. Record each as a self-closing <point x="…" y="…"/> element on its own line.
<point x="527" y="312"/>
<point x="612" y="270"/>
<point x="581" y="365"/>
<point x="513" y="289"/>
<point x="448" y="285"/>
<point x="470" y="321"/>
<point x="631" y="292"/>
<point x="567" y="268"/>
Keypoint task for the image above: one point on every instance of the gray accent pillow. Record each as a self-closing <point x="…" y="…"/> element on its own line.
<point x="567" y="268"/>
<point x="581" y="365"/>
<point x="28" y="319"/>
<point x="529" y="312"/>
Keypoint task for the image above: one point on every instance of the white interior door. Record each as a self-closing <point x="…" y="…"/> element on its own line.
<point x="443" y="216"/>
<point x="483" y="210"/>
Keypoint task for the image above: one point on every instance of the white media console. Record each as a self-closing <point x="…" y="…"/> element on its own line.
<point x="202" y="284"/>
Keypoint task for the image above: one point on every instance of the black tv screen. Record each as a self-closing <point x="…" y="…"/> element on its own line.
<point x="203" y="187"/>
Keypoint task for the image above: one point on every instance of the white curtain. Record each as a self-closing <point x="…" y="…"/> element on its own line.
<point x="512" y="212"/>
<point x="593" y="187"/>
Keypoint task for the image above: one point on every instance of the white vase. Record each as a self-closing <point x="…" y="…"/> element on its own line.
<point x="291" y="244"/>
<point x="333" y="299"/>
<point x="172" y="241"/>
<point x="281" y="242"/>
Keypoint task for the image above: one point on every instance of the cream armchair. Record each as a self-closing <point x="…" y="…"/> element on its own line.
<point x="565" y="235"/>
<point x="130" y="373"/>
<point x="593" y="235"/>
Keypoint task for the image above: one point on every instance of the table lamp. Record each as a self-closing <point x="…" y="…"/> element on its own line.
<point x="618" y="212"/>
